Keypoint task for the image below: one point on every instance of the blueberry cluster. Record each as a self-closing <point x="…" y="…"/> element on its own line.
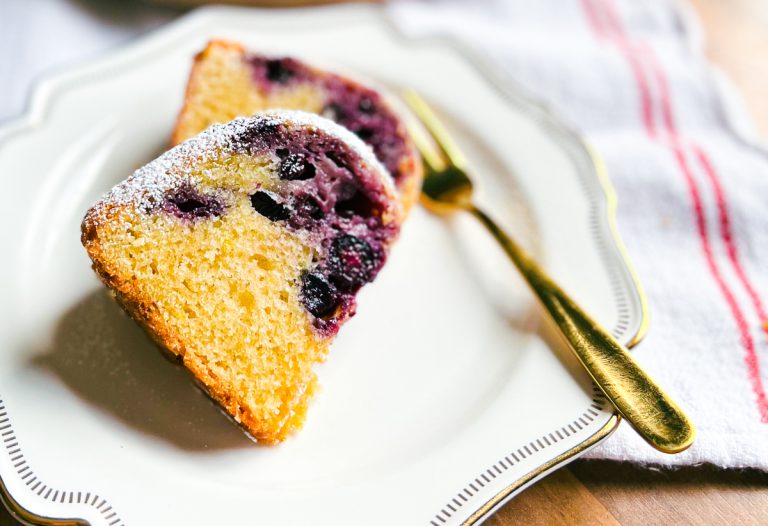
<point x="362" y="111"/>
<point x="350" y="261"/>
<point x="357" y="108"/>
<point x="350" y="264"/>
<point x="324" y="189"/>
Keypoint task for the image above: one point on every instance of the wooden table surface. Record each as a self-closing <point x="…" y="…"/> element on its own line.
<point x="609" y="493"/>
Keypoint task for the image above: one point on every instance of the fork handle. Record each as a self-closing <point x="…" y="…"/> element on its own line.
<point x="655" y="416"/>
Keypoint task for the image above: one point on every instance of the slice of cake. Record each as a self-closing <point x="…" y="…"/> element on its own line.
<point x="241" y="251"/>
<point x="226" y="82"/>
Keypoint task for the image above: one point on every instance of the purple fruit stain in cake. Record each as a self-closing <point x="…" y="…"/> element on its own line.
<point x="185" y="202"/>
<point x="317" y="295"/>
<point x="351" y="262"/>
<point x="366" y="105"/>
<point x="267" y="206"/>
<point x="319" y="169"/>
<point x="258" y="137"/>
<point x="357" y="108"/>
<point x="338" y="158"/>
<point x="276" y="71"/>
<point x="362" y="111"/>
<point x="307" y="206"/>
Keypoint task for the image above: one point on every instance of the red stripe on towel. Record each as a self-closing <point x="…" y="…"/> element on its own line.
<point x="644" y="90"/>
<point x="727" y="234"/>
<point x="750" y="359"/>
<point x="606" y="24"/>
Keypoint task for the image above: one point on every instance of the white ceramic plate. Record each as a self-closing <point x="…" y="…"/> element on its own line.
<point x="444" y="397"/>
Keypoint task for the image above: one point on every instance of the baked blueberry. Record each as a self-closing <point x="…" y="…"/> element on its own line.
<point x="267" y="206"/>
<point x="317" y="295"/>
<point x="352" y="262"/>
<point x="278" y="70"/>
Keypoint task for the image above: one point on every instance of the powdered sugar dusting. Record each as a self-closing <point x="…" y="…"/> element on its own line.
<point x="147" y="187"/>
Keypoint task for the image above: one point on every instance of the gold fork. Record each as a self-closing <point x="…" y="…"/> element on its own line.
<point x="653" y="414"/>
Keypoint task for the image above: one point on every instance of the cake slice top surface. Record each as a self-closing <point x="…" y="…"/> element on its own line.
<point x="252" y="135"/>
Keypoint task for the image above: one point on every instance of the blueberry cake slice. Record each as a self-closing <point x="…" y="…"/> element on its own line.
<point x="241" y="252"/>
<point x="227" y="81"/>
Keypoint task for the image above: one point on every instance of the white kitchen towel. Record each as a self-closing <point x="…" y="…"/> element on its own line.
<point x="692" y="187"/>
<point x="631" y="76"/>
